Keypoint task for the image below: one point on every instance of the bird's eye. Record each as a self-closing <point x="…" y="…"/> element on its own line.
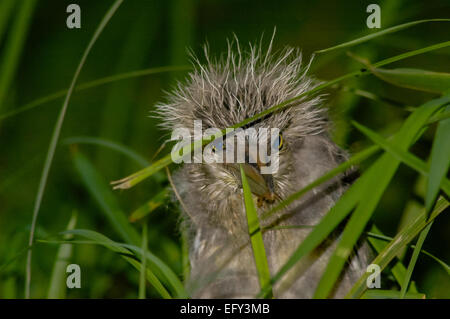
<point x="280" y="141"/>
<point x="217" y="146"/>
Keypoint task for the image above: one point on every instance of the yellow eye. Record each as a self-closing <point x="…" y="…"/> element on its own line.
<point x="280" y="141"/>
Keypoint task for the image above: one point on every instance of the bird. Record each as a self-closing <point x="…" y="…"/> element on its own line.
<point x="223" y="91"/>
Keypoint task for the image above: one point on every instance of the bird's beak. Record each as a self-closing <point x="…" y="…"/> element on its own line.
<point x="260" y="184"/>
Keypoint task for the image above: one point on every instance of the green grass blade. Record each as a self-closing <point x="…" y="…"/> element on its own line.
<point x="376" y="234"/>
<point x="108" y="144"/>
<point x="141" y="175"/>
<point x="378" y="241"/>
<point x="357" y="158"/>
<point x="6" y="8"/>
<point x="143" y="262"/>
<point x="55" y="137"/>
<point x="254" y="230"/>
<point x="57" y="287"/>
<point x="422" y="80"/>
<point x="378" y="177"/>
<point x="14" y="46"/>
<point x="126" y="253"/>
<point x="104" y="197"/>
<point x="412" y="263"/>
<point x="150" y="205"/>
<point x="379" y="34"/>
<point x="440" y="162"/>
<point x="402" y="239"/>
<point x="390" y="294"/>
<point x="409" y="159"/>
<point x="89" y="85"/>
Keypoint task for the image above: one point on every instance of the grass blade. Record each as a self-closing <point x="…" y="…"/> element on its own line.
<point x="108" y="144"/>
<point x="102" y="240"/>
<point x="412" y="263"/>
<point x="14" y="45"/>
<point x="390" y="294"/>
<point x="440" y="161"/>
<point x="89" y="85"/>
<point x="143" y="262"/>
<point x="378" y="177"/>
<point x="55" y="137"/>
<point x="99" y="189"/>
<point x="398" y="269"/>
<point x="397" y="244"/>
<point x="379" y="34"/>
<point x="149" y="206"/>
<point x="254" y="230"/>
<point x="6" y="7"/>
<point x="57" y="287"/>
<point x="422" y="80"/>
<point x="404" y="156"/>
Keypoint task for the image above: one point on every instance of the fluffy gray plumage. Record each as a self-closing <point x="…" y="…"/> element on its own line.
<point x="222" y="93"/>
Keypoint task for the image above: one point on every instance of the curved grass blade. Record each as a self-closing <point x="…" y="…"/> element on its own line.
<point x="102" y="240"/>
<point x="379" y="34"/>
<point x="254" y="230"/>
<point x="440" y="161"/>
<point x="408" y="158"/>
<point x="109" y="144"/>
<point x="378" y="178"/>
<point x="103" y="195"/>
<point x="57" y="287"/>
<point x="412" y="263"/>
<point x="397" y="244"/>
<point x="55" y="137"/>
<point x="422" y="80"/>
<point x="92" y="84"/>
<point x="141" y="175"/>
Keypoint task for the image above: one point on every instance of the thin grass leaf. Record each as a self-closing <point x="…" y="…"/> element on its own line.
<point x="412" y="263"/>
<point x="143" y="262"/>
<point x="390" y="294"/>
<point x="141" y="175"/>
<point x="402" y="239"/>
<point x="89" y="85"/>
<point x="14" y="45"/>
<point x="378" y="178"/>
<point x="409" y="159"/>
<point x="379" y="34"/>
<point x="378" y="235"/>
<point x="422" y="80"/>
<point x="57" y="287"/>
<point x="149" y="206"/>
<point x="379" y="242"/>
<point x="440" y="161"/>
<point x="108" y="144"/>
<point x="254" y="230"/>
<point x="104" y="197"/>
<point x="356" y="159"/>
<point x="6" y="8"/>
<point x="55" y="137"/>
<point x="102" y="240"/>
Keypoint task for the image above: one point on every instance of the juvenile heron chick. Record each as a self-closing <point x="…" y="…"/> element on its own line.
<point x="222" y="93"/>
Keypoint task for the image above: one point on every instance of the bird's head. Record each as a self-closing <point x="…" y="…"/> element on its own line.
<point x="223" y="92"/>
